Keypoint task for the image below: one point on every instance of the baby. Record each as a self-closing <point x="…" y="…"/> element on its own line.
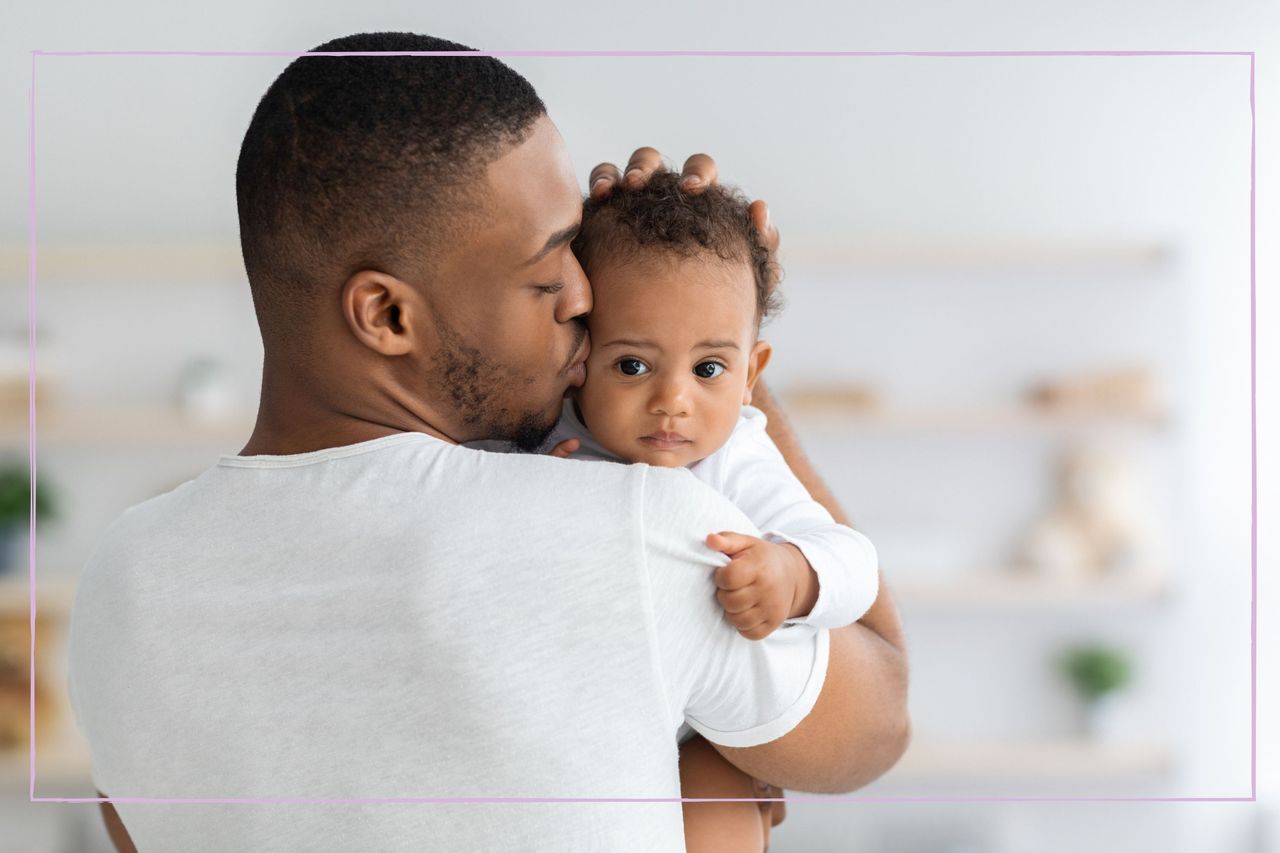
<point x="681" y="285"/>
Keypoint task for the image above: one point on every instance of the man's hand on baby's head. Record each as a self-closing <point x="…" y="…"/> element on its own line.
<point x="763" y="585"/>
<point x="699" y="172"/>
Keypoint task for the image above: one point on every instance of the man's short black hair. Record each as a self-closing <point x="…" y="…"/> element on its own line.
<point x="354" y="163"/>
<point x="662" y="219"/>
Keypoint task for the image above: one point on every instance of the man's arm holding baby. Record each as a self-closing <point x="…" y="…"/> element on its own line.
<point x="859" y="726"/>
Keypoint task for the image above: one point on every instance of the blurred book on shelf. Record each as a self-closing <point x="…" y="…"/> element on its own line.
<point x="1127" y="390"/>
<point x="16" y="686"/>
<point x="850" y="397"/>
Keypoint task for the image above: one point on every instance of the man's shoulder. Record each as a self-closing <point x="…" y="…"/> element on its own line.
<point x="677" y="498"/>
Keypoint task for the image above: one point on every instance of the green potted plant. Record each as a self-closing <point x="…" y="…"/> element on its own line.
<point x="1097" y="672"/>
<point x="15" y="511"/>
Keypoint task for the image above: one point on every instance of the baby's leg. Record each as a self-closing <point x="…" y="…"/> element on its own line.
<point x="716" y="827"/>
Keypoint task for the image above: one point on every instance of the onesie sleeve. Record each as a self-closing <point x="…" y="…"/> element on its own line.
<point x="753" y="475"/>
<point x="734" y="691"/>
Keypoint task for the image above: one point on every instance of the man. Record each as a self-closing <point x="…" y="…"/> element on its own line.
<point x="355" y="607"/>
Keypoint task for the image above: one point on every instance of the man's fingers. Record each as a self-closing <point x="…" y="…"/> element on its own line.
<point x="763" y="222"/>
<point x="603" y="179"/>
<point x="699" y="172"/>
<point x="564" y="448"/>
<point x="770" y="239"/>
<point x="643" y="163"/>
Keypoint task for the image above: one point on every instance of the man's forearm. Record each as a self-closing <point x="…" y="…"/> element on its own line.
<point x="870" y="653"/>
<point x="882" y="619"/>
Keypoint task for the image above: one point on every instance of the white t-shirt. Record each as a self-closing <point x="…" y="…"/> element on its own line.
<point x="750" y="471"/>
<point x="409" y="618"/>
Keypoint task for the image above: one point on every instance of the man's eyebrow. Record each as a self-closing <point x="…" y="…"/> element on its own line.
<point x="556" y="240"/>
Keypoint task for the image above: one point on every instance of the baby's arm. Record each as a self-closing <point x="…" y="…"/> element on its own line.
<point x="843" y="564"/>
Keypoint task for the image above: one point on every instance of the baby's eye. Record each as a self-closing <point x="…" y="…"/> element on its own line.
<point x="633" y="367"/>
<point x="709" y="369"/>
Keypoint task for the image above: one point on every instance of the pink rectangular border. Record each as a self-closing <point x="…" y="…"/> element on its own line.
<point x="1253" y="385"/>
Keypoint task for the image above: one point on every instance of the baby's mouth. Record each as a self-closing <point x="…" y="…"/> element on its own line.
<point x="664" y="440"/>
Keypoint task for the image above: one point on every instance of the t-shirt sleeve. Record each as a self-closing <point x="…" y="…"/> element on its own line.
<point x="757" y="479"/>
<point x="733" y="691"/>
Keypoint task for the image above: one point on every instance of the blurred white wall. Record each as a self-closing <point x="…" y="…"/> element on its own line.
<point x="857" y="150"/>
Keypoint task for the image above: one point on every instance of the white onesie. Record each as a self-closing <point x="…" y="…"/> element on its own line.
<point x="750" y="471"/>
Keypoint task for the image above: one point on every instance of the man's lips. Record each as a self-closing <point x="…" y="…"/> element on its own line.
<point x="577" y="369"/>
<point x="664" y="440"/>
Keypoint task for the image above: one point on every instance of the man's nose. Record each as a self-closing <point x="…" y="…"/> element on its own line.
<point x="575" y="301"/>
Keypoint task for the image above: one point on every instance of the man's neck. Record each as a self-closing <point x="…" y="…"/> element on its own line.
<point x="298" y="417"/>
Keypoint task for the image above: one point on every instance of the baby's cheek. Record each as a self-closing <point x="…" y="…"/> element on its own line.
<point x="721" y="425"/>
<point x="601" y="411"/>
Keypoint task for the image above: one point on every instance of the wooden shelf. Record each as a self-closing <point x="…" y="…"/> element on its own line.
<point x="222" y="259"/>
<point x="905" y="253"/>
<point x="94" y="425"/>
<point x="147" y="426"/>
<point x="119" y="261"/>
<point x="1012" y="418"/>
<point x="1007" y="590"/>
<point x="1045" y="760"/>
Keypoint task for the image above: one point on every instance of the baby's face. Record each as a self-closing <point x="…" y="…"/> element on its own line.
<point x="673" y="357"/>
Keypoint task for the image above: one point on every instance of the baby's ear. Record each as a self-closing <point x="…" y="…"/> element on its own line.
<point x="756" y="361"/>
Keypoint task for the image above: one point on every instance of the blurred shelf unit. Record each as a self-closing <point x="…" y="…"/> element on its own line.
<point x="902" y="253"/>
<point x="117" y="261"/>
<point x="1032" y="760"/>
<point x="1123" y="395"/>
<point x="825" y="411"/>
<point x="1010" y="590"/>
<point x="64" y="261"/>
<point x="124" y="426"/>
<point x="93" y="425"/>
<point x="978" y="591"/>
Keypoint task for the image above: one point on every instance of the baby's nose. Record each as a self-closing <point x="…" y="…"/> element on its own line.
<point x="671" y="399"/>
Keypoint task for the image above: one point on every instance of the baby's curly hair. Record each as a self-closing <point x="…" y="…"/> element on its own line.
<point x="661" y="218"/>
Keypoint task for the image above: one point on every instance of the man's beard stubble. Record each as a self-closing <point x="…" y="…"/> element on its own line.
<point x="459" y="379"/>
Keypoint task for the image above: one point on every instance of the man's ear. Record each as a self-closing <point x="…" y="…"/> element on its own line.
<point x="756" y="361"/>
<point x="380" y="310"/>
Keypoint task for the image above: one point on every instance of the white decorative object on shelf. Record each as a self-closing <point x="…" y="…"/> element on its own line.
<point x="1099" y="523"/>
<point x="207" y="390"/>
